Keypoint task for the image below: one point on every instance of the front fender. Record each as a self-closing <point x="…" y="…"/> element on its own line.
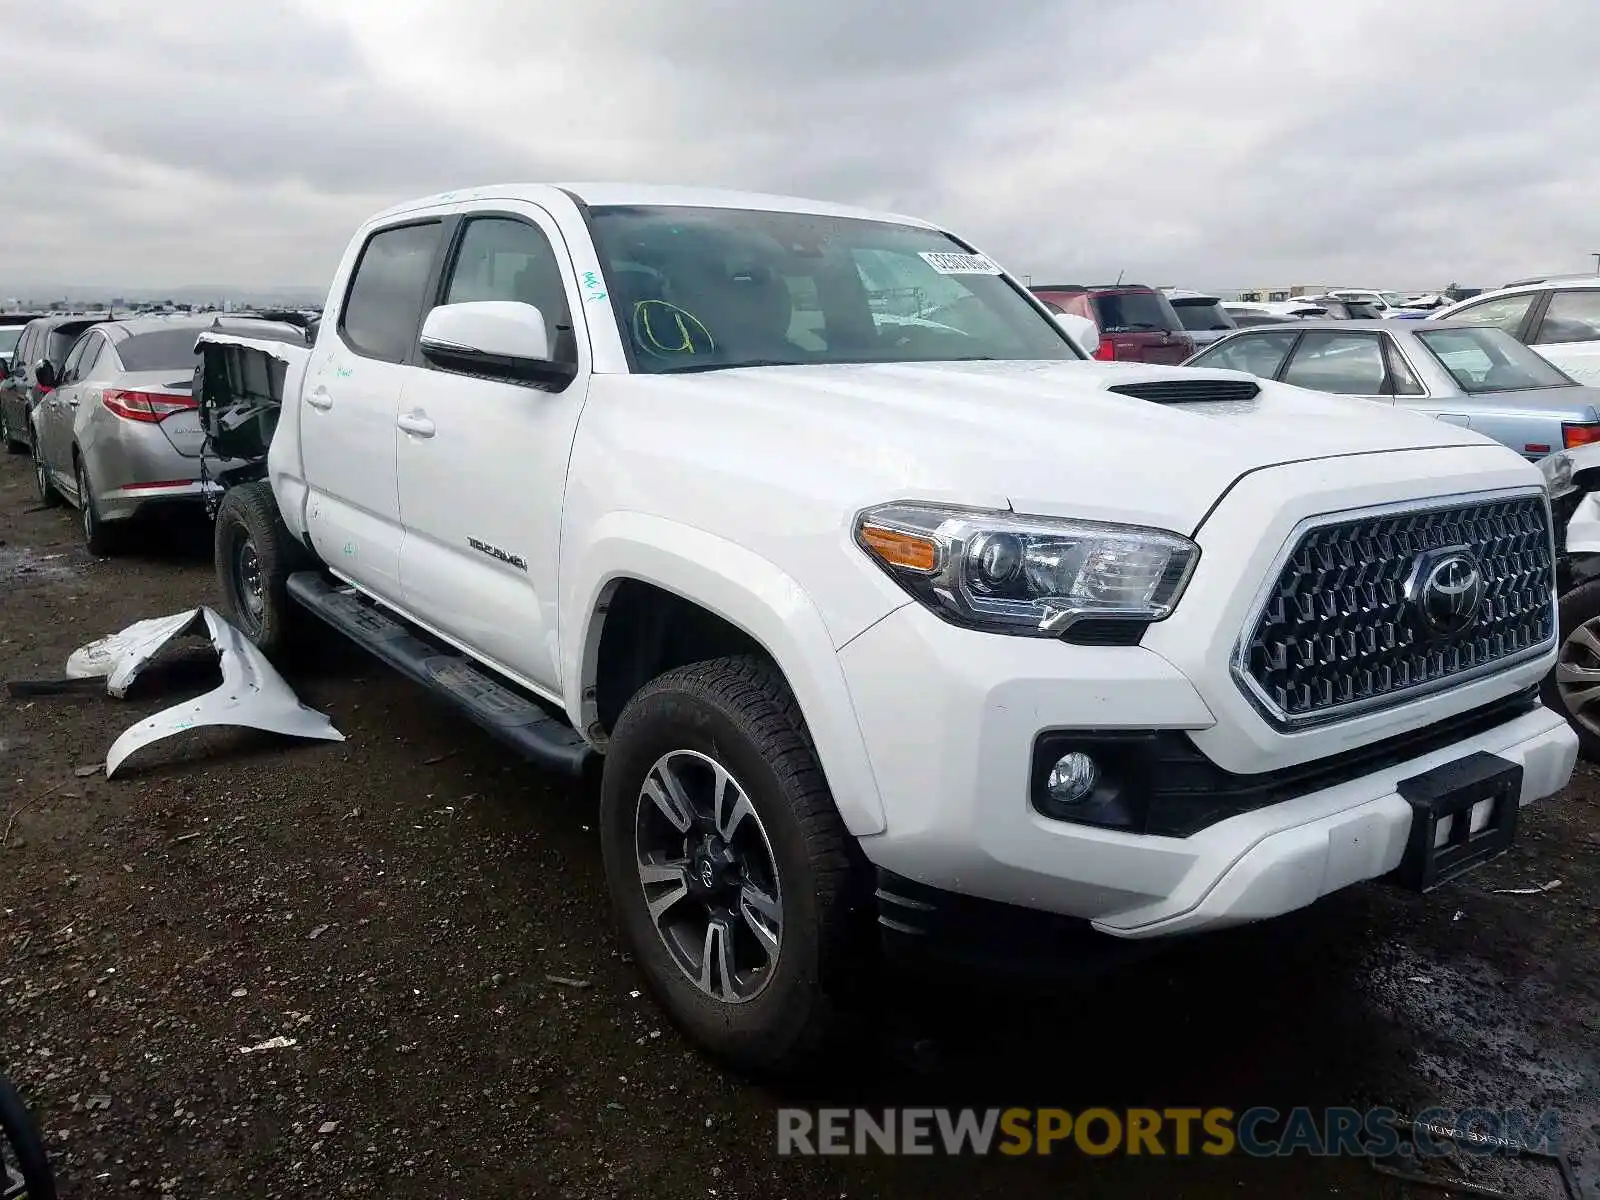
<point x="747" y="591"/>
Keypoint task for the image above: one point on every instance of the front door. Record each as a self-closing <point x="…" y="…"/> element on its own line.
<point x="483" y="462"/>
<point x="349" y="402"/>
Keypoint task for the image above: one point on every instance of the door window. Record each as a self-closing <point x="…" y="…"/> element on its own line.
<point x="384" y="304"/>
<point x="501" y="258"/>
<point x="1572" y="317"/>
<point x="1346" y="364"/>
<point x="69" y="372"/>
<point x="1400" y="374"/>
<point x="1258" y="354"/>
<point x="1505" y="311"/>
<point x="93" y="344"/>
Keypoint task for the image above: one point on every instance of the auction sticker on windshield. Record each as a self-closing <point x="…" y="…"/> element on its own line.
<point x="959" y="264"/>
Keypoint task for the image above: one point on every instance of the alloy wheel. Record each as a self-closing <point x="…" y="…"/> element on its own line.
<point x="85" y="503"/>
<point x="1578" y="675"/>
<point x="41" y="477"/>
<point x="709" y="877"/>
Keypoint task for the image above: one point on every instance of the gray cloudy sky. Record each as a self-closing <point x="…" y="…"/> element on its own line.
<point x="1220" y="143"/>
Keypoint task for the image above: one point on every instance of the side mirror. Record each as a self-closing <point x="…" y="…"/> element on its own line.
<point x="1084" y="333"/>
<point x="493" y="337"/>
<point x="44" y="373"/>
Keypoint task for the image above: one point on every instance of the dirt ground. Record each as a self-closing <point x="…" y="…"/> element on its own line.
<point x="397" y="905"/>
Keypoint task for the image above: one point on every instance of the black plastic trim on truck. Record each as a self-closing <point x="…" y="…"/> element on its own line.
<point x="513" y="718"/>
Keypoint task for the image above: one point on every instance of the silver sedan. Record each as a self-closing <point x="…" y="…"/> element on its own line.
<point x="1463" y="372"/>
<point x="119" y="434"/>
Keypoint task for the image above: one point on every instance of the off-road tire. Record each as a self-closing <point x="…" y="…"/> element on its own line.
<point x="23" y="1146"/>
<point x="248" y="516"/>
<point x="741" y="713"/>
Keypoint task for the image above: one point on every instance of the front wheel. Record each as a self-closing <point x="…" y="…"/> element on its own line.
<point x="24" y="1166"/>
<point x="255" y="555"/>
<point x="736" y="885"/>
<point x="1573" y="687"/>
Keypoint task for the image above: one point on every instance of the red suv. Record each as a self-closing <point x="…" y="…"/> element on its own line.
<point x="1137" y="324"/>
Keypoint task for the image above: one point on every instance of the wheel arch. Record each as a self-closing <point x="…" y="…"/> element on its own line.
<point x="744" y="603"/>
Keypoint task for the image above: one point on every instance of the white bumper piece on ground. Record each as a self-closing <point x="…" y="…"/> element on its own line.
<point x="252" y="694"/>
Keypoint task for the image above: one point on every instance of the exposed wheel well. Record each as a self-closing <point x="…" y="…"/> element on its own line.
<point x="649" y="630"/>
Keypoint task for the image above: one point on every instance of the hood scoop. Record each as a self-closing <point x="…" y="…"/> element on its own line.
<point x="1191" y="391"/>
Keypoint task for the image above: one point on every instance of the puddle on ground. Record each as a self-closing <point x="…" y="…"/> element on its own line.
<point x="21" y="565"/>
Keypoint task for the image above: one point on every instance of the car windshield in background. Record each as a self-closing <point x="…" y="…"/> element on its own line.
<point x="10" y="335"/>
<point x="699" y="289"/>
<point x="1362" y="310"/>
<point x="1134" y="312"/>
<point x="1200" y="316"/>
<point x="1491" y="360"/>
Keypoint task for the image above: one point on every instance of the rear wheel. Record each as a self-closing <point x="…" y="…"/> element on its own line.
<point x="8" y="436"/>
<point x="48" y="496"/>
<point x="100" y="538"/>
<point x="736" y="885"/>
<point x="255" y="555"/>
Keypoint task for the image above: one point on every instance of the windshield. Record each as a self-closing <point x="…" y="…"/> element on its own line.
<point x="697" y="289"/>
<point x="1491" y="360"/>
<point x="10" y="335"/>
<point x="1202" y="316"/>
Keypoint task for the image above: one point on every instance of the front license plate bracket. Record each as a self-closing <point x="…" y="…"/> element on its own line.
<point x="1449" y="793"/>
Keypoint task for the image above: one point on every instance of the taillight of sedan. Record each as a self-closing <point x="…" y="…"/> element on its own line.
<point x="148" y="407"/>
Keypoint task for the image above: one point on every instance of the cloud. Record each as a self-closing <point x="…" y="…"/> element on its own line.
<point x="1232" y="143"/>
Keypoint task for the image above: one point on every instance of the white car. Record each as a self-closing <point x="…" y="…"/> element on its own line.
<point x="1559" y="317"/>
<point x="926" y="636"/>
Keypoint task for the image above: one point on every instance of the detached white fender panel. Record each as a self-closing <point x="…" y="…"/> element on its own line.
<point x="747" y="591"/>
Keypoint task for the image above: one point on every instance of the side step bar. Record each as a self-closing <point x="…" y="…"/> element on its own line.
<point x="508" y="715"/>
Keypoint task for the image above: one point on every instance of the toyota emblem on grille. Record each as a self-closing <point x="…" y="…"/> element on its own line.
<point x="1446" y="589"/>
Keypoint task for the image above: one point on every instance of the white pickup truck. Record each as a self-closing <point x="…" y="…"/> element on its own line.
<point x="898" y="622"/>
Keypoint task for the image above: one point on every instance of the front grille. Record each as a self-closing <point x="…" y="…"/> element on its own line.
<point x="1190" y="391"/>
<point x="1336" y="633"/>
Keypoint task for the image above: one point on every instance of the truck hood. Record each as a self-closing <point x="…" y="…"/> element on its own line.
<point x="1045" y="438"/>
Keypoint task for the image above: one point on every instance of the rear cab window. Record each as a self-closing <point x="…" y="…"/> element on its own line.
<point x="1202" y="316"/>
<point x="388" y="290"/>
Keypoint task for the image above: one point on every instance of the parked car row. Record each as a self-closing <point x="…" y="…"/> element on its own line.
<point x="107" y="410"/>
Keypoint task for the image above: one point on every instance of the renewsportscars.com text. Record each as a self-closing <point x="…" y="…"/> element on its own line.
<point x="1259" y="1132"/>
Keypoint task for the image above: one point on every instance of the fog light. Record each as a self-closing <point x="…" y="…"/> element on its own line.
<point x="1073" y="779"/>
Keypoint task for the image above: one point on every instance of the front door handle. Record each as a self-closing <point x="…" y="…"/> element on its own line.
<point x="415" y="422"/>
<point x="319" y="399"/>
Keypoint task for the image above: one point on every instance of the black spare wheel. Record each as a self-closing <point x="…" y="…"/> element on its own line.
<point x="255" y="555"/>
<point x="735" y="882"/>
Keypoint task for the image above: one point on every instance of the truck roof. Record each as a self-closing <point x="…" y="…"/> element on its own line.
<point x="604" y="194"/>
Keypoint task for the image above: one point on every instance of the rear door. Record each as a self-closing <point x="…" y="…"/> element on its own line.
<point x="1568" y="333"/>
<point x="1345" y="364"/>
<point x="482" y="462"/>
<point x="350" y="401"/>
<point x="58" y="410"/>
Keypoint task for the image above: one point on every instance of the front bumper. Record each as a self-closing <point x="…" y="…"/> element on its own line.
<point x="950" y="718"/>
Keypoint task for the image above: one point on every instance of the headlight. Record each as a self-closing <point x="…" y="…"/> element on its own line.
<point x="1037" y="576"/>
<point x="1557" y="469"/>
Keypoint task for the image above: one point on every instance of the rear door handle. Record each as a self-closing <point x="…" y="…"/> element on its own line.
<point x="319" y="399"/>
<point x="415" y="422"/>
